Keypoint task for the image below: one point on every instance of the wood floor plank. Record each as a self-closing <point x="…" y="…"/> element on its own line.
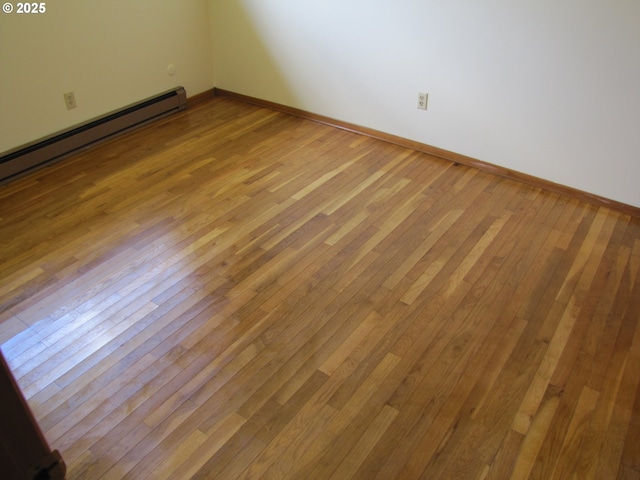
<point x="232" y="292"/>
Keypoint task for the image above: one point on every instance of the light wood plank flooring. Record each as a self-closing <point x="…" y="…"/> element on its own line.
<point x="234" y="292"/>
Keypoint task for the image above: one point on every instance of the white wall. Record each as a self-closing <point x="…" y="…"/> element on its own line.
<point x="547" y="88"/>
<point x="109" y="53"/>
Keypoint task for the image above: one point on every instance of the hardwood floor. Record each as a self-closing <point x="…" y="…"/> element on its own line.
<point x="236" y="293"/>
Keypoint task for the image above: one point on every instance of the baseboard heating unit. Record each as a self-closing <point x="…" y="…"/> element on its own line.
<point x="56" y="146"/>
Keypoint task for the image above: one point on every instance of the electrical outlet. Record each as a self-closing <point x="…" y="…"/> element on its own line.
<point x="70" y="100"/>
<point x="423" y="99"/>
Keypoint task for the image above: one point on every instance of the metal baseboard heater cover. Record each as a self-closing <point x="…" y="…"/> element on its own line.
<point x="54" y="147"/>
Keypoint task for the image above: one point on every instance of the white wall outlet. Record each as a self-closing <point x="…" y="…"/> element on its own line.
<point x="423" y="99"/>
<point x="70" y="100"/>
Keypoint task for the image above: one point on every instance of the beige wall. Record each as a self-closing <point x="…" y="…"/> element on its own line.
<point x="109" y="53"/>
<point x="542" y="87"/>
